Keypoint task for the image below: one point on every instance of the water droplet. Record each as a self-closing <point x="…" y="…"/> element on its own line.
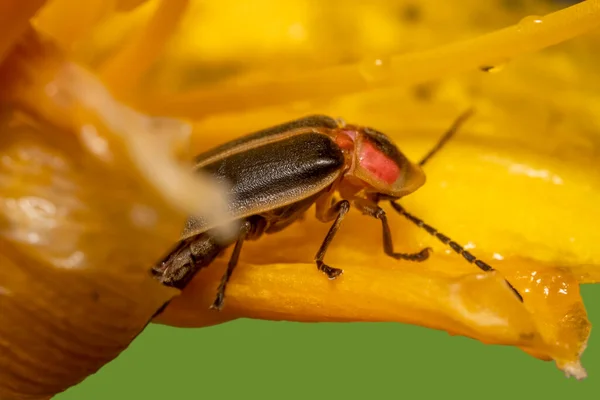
<point x="375" y="69"/>
<point x="529" y="23"/>
<point x="497" y="256"/>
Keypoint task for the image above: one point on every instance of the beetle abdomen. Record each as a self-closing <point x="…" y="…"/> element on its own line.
<point x="185" y="260"/>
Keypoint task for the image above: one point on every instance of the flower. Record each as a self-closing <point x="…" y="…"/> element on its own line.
<point x="92" y="192"/>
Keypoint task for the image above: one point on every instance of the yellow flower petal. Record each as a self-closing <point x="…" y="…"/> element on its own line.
<point x="516" y="185"/>
<point x="70" y="21"/>
<point x="83" y="214"/>
<point x="531" y="34"/>
<point x="124" y="69"/>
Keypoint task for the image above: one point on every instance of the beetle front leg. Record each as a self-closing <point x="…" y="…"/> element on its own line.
<point x="340" y="209"/>
<point x="235" y="255"/>
<point x="388" y="245"/>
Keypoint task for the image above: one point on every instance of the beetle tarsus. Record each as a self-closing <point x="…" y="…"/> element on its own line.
<point x="331" y="272"/>
<point x="341" y="208"/>
<point x="417" y="257"/>
<point x="218" y="303"/>
<point x="449" y="242"/>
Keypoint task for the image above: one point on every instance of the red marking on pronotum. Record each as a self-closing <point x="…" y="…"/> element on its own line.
<point x="377" y="163"/>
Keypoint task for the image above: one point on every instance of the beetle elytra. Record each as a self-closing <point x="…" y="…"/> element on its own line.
<point x="277" y="174"/>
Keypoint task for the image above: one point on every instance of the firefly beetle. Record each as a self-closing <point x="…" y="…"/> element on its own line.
<point x="277" y="174"/>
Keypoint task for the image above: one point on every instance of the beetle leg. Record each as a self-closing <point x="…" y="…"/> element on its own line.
<point x="235" y="255"/>
<point x="388" y="245"/>
<point x="340" y="209"/>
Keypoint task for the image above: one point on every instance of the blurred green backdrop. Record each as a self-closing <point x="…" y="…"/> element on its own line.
<point x="248" y="359"/>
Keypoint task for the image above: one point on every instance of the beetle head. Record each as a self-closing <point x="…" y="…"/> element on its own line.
<point x="376" y="165"/>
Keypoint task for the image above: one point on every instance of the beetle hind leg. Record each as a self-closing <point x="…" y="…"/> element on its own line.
<point x="233" y="261"/>
<point x="341" y="209"/>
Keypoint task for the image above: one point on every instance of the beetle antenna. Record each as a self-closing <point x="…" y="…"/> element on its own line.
<point x="449" y="242"/>
<point x="448" y="135"/>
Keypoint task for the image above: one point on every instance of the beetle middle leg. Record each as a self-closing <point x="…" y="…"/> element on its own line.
<point x="340" y="209"/>
<point x="388" y="245"/>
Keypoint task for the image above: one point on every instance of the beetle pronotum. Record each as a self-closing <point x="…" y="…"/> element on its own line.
<point x="277" y="174"/>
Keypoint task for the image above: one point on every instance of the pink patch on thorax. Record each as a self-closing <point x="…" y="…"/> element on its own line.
<point x="377" y="163"/>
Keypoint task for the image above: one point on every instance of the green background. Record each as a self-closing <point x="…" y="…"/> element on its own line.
<point x="250" y="359"/>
